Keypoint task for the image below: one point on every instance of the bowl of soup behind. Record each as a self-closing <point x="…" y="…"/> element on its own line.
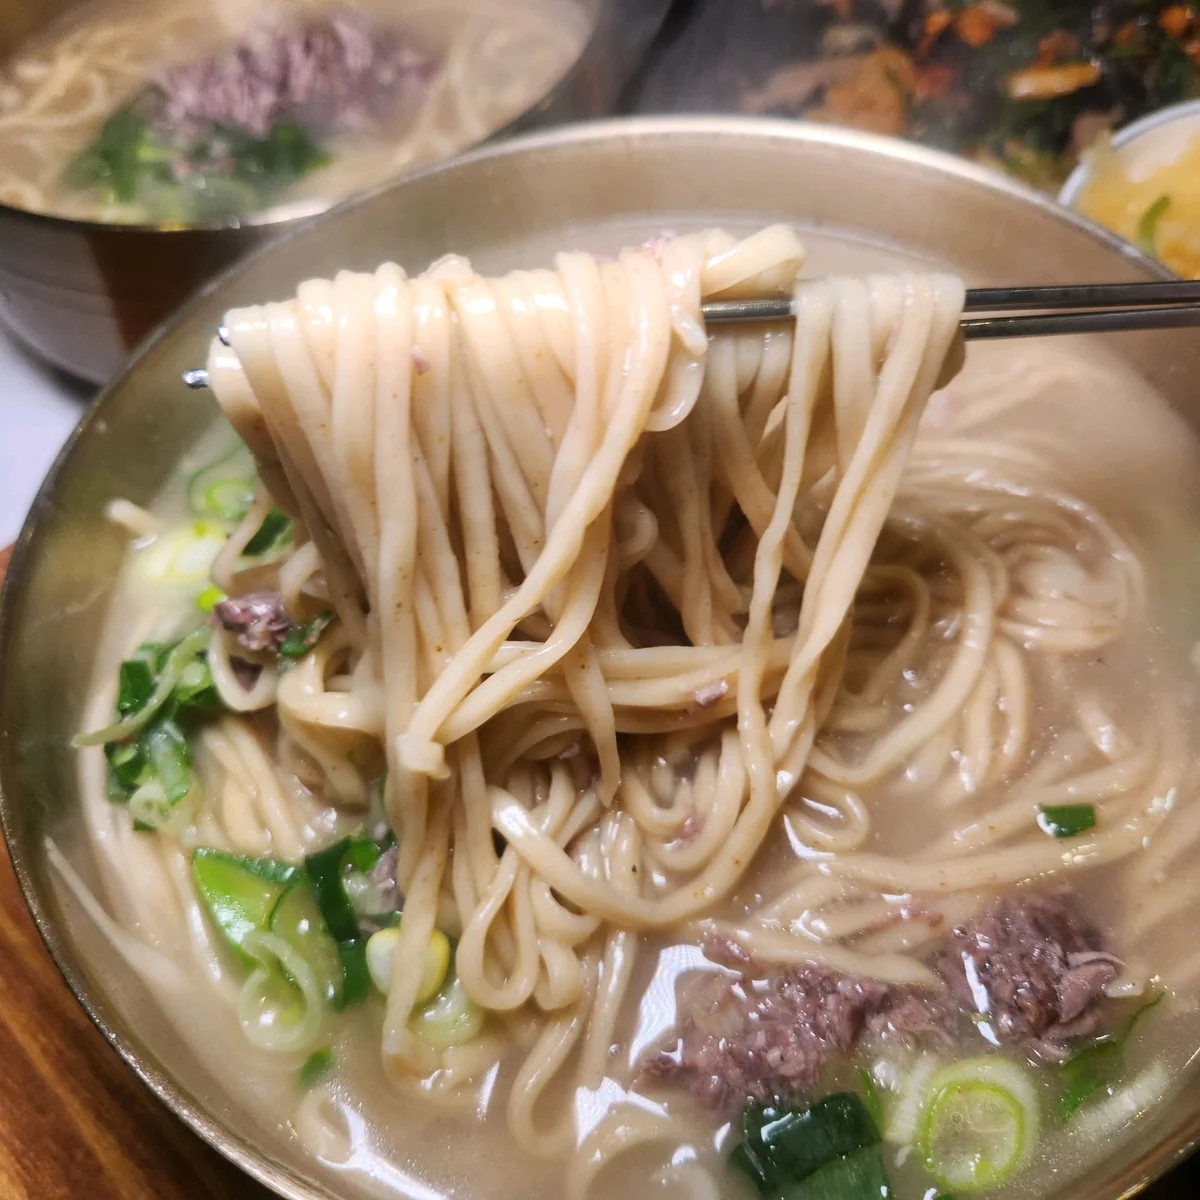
<point x="82" y="292"/>
<point x="859" y="201"/>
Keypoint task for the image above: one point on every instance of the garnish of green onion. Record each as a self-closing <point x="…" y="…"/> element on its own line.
<point x="871" y="1097"/>
<point x="135" y="685"/>
<point x="300" y="639"/>
<point x="168" y="677"/>
<point x="275" y="530"/>
<point x="1066" y="820"/>
<point x="210" y="598"/>
<point x="827" y="1150"/>
<point x="1147" y="229"/>
<point x="314" y="1066"/>
<point x="1097" y="1065"/>
<point x="325" y="869"/>
<point x="979" y="1123"/>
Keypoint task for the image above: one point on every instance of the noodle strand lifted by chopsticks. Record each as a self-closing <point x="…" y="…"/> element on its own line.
<point x="509" y="482"/>
<point x="612" y="603"/>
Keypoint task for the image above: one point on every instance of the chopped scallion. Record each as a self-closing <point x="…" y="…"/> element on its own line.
<point x="169" y="676"/>
<point x="356" y="978"/>
<point x="325" y="873"/>
<point x="1066" y="820"/>
<point x="317" y="1064"/>
<point x="1097" y="1065"/>
<point x="210" y="598"/>
<point x="300" y="639"/>
<point x="871" y="1097"/>
<point x="274" y="532"/>
<point x="980" y="1123"/>
<point x="135" y="685"/>
<point x="782" y="1147"/>
<point x="170" y="759"/>
<point x="240" y="892"/>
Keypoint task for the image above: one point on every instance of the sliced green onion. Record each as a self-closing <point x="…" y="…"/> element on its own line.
<point x="783" y="1146"/>
<point x="871" y="1097"/>
<point x="151" y="808"/>
<point x="1113" y="1114"/>
<point x="172" y="669"/>
<point x="361" y="855"/>
<point x="1147" y="229"/>
<point x="111" y="160"/>
<point x="196" y="691"/>
<point x="127" y="765"/>
<point x="262" y="1012"/>
<point x="980" y="1123"/>
<point x="210" y="598"/>
<point x="240" y="892"/>
<point x="857" y="1176"/>
<point x="300" y="639"/>
<point x="901" y="1128"/>
<point x="297" y="920"/>
<point x="274" y="532"/>
<point x="356" y="976"/>
<point x="317" y="1064"/>
<point x="1097" y="1065"/>
<point x="170" y="758"/>
<point x="229" y="499"/>
<point x="381" y="955"/>
<point x="154" y="654"/>
<point x="216" y="490"/>
<point x="325" y="869"/>
<point x="1066" y="820"/>
<point x="451" y="1018"/>
<point x="135" y="685"/>
<point x="183" y="555"/>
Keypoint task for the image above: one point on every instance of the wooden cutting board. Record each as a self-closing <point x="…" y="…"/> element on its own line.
<point x="76" y="1123"/>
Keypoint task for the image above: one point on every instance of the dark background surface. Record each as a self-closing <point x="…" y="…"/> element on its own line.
<point x="74" y="1121"/>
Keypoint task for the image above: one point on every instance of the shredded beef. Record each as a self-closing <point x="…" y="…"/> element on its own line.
<point x="1029" y="967"/>
<point x="258" y="618"/>
<point x="742" y="1038"/>
<point x="331" y="74"/>
<point x="1033" y="968"/>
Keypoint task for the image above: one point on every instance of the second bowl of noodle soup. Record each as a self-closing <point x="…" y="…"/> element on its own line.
<point x="512" y="717"/>
<point x="145" y="146"/>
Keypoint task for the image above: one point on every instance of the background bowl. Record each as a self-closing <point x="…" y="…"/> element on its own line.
<point x="83" y="293"/>
<point x="508" y="205"/>
<point x="1143" y="146"/>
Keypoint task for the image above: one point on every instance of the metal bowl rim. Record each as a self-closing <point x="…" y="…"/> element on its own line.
<point x="221" y="1137"/>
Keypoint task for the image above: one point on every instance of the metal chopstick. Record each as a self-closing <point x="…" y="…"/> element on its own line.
<point x="1153" y="296"/>
<point x="1102" y="320"/>
<point x="1086" y="295"/>
<point x="1074" y="308"/>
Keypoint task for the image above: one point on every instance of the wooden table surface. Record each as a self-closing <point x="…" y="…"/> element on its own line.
<point x="75" y="1122"/>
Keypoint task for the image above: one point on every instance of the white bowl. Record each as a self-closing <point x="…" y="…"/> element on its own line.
<point x="1143" y="146"/>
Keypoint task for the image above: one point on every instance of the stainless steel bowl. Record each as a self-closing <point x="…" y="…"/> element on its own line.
<point x="84" y="293"/>
<point x="505" y="205"/>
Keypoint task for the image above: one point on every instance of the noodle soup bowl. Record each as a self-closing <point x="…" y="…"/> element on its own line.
<point x="857" y="199"/>
<point x="82" y="294"/>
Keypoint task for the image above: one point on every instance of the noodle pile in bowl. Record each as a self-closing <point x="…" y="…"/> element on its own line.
<point x="616" y="620"/>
